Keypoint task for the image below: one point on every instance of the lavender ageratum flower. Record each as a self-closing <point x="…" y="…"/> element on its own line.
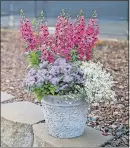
<point x="59" y="61"/>
<point x="68" y="79"/>
<point x="32" y="72"/>
<point x="41" y="72"/>
<point x="62" y="87"/>
<point x="49" y="77"/>
<point x="29" y="81"/>
<point x="40" y="80"/>
<point x="68" y="67"/>
<point x="44" y="64"/>
<point x="80" y="72"/>
<point x="54" y="81"/>
<point x="78" y="78"/>
<point x="54" y="70"/>
<point x="61" y="74"/>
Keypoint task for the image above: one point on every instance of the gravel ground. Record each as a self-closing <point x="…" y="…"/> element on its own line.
<point x="109" y="117"/>
<point x="13" y="65"/>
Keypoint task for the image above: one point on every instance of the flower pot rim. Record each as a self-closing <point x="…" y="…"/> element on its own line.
<point x="54" y="101"/>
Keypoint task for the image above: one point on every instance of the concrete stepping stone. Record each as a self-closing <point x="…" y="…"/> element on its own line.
<point x="16" y="134"/>
<point x="5" y="96"/>
<point x="91" y="138"/>
<point x="3" y="145"/>
<point x="24" y="112"/>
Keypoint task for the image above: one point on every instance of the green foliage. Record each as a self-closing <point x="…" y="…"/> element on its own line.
<point x="42" y="14"/>
<point x="94" y="14"/>
<point x="37" y="22"/>
<point x="80" y="13"/>
<point x="22" y="14"/>
<point x="21" y="11"/>
<point x="93" y="52"/>
<point x="34" y="21"/>
<point x="74" y="55"/>
<point x="34" y="58"/>
<point x="45" y="89"/>
<point x="41" y="18"/>
<point x="64" y="14"/>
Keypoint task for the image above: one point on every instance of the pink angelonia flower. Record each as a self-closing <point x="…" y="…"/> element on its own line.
<point x="50" y="58"/>
<point x="44" y="55"/>
<point x="68" y="35"/>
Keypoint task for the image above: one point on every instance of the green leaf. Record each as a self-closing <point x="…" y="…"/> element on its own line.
<point x="42" y="14"/>
<point x="45" y="89"/>
<point x="34" y="21"/>
<point x="81" y="12"/>
<point x="74" y="57"/>
<point x="52" y="92"/>
<point x="22" y="14"/>
<point x="94" y="14"/>
<point x="34" y="58"/>
<point x="21" y="11"/>
<point x="73" y="51"/>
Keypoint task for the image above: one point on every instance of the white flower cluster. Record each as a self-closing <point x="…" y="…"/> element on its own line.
<point x="98" y="82"/>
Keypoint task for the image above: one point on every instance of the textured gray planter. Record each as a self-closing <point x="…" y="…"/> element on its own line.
<point x="64" y="118"/>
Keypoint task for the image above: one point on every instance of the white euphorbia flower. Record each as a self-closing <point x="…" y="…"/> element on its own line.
<point x="98" y="82"/>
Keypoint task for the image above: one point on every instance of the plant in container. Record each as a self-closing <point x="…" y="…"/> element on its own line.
<point x="60" y="72"/>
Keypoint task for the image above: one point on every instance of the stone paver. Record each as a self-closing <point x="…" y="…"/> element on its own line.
<point x="16" y="134"/>
<point x="5" y="96"/>
<point x="91" y="138"/>
<point x="3" y="145"/>
<point x="24" y="112"/>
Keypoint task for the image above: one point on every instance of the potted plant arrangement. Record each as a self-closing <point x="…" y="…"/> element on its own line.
<point x="61" y="74"/>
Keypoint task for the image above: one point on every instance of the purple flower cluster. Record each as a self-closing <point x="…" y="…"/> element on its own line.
<point x="60" y="74"/>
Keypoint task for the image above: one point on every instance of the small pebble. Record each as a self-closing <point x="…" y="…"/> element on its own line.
<point x="116" y="113"/>
<point x="97" y="127"/>
<point x="11" y="87"/>
<point x="102" y="129"/>
<point x="94" y="118"/>
<point x="117" y="142"/>
<point x="114" y="126"/>
<point x="106" y="130"/>
<point x="120" y="106"/>
<point x="118" y="133"/>
<point x="105" y="134"/>
<point x="120" y="127"/>
<point x="125" y="140"/>
<point x="91" y="124"/>
<point x="7" y="81"/>
<point x="95" y="104"/>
